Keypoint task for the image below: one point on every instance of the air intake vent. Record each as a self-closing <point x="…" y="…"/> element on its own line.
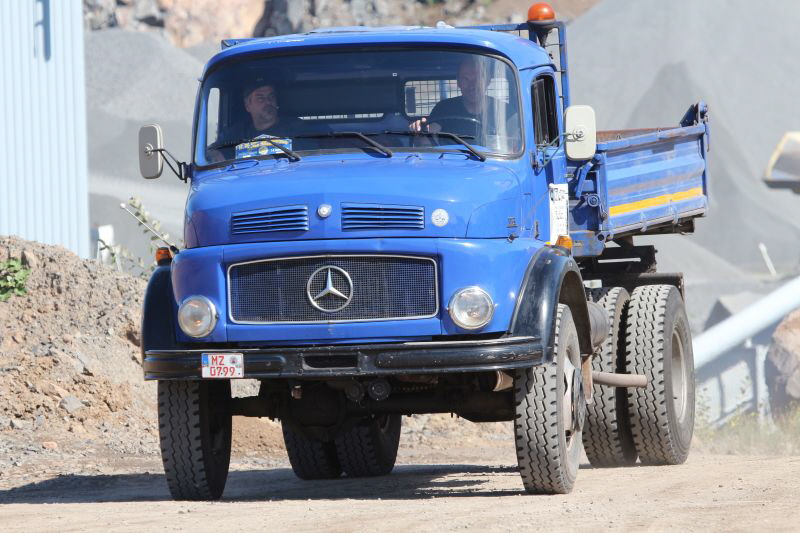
<point x="285" y="218"/>
<point x="375" y="216"/>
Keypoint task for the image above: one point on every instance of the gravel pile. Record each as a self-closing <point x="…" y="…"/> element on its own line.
<point x="133" y="79"/>
<point x="70" y="376"/>
<point x="641" y="64"/>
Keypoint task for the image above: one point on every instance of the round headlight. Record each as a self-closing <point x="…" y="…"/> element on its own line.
<point x="471" y="308"/>
<point x="197" y="316"/>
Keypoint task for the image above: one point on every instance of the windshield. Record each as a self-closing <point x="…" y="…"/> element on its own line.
<point x="291" y="106"/>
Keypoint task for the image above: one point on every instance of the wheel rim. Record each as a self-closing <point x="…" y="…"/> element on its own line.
<point x="571" y="402"/>
<point x="679" y="381"/>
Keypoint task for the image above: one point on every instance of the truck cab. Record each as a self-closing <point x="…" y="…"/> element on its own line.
<point x="389" y="221"/>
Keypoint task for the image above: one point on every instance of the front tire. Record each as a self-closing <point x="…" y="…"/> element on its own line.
<point x="194" y="422"/>
<point x="659" y="345"/>
<point x="550" y="408"/>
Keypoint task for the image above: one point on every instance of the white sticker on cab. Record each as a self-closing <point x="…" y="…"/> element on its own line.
<point x="559" y="211"/>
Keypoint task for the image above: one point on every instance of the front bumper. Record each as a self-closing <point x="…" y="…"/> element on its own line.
<point x="434" y="357"/>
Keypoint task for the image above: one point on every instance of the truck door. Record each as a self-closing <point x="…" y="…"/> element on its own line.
<point x="549" y="161"/>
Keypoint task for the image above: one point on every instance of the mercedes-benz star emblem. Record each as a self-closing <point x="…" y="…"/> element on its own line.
<point x="329" y="289"/>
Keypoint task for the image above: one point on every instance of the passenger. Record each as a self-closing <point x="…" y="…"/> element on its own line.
<point x="463" y="114"/>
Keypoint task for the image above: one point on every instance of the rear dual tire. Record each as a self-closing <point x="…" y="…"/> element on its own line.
<point x="659" y="345"/>
<point x="650" y="336"/>
<point x="607" y="437"/>
<point x="365" y="447"/>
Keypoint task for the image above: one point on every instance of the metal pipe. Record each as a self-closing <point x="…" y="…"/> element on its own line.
<point x="734" y="330"/>
<point x="619" y="380"/>
<point x="504" y="382"/>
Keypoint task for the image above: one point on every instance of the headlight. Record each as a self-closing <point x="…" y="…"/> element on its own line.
<point x="197" y="316"/>
<point x="471" y="308"/>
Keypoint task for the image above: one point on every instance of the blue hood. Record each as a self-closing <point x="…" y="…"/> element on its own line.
<point x="478" y="196"/>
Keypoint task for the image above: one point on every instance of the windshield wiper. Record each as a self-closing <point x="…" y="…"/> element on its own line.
<point x="378" y="146"/>
<point x="458" y="138"/>
<point x="289" y="153"/>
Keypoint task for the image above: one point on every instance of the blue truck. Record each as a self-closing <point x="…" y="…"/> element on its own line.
<point x="394" y="221"/>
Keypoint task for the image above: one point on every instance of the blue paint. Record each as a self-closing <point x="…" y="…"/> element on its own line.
<point x="498" y="209"/>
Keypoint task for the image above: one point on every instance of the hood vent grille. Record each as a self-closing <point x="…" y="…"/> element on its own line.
<point x="377" y="216"/>
<point x="284" y="218"/>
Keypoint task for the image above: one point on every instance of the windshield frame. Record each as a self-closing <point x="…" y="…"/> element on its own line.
<point x="200" y="104"/>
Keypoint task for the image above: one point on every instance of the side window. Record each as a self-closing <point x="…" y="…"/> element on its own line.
<point x="545" y="115"/>
<point x="212" y="116"/>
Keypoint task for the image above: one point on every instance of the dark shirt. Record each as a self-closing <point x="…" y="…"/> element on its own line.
<point x="286" y="128"/>
<point x="452" y="115"/>
<point x="244" y="131"/>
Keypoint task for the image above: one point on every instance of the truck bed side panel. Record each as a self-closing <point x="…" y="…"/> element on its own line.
<point x="653" y="179"/>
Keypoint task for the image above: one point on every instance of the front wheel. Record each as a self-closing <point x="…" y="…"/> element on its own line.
<point x="194" y="422"/>
<point x="550" y="408"/>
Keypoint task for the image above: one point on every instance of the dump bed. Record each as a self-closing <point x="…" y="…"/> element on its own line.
<point x="640" y="182"/>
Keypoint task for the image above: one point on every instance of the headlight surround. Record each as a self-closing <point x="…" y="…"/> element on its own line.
<point x="471" y="308"/>
<point x="197" y="316"/>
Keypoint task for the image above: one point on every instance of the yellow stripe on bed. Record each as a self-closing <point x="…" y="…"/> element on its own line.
<point x="656" y="201"/>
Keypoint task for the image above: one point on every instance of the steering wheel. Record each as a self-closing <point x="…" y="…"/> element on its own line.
<point x="460" y="125"/>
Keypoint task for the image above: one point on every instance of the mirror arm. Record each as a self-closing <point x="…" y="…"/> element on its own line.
<point x="181" y="171"/>
<point x="546" y="158"/>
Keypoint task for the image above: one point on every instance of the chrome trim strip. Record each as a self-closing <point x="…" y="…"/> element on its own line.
<point x="334" y="256"/>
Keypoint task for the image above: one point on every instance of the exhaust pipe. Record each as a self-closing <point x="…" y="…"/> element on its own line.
<point x="503" y="382"/>
<point x="610" y="379"/>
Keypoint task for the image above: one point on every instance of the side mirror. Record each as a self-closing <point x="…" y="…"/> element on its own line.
<point x="581" y="132"/>
<point x="151" y="163"/>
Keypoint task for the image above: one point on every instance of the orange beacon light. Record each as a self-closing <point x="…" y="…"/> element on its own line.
<point x="541" y="12"/>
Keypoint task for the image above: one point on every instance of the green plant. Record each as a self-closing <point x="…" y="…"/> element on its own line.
<point x="13" y="277"/>
<point x="144" y="216"/>
<point x="124" y="259"/>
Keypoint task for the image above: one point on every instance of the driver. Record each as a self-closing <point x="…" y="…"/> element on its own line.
<point x="261" y="104"/>
<point x="464" y="112"/>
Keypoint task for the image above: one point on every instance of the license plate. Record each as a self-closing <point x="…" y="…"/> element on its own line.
<point x="222" y="365"/>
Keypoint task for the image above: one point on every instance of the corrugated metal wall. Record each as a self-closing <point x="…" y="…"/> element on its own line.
<point x="43" y="170"/>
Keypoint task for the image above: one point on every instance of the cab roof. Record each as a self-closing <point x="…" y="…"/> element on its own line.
<point x="521" y="51"/>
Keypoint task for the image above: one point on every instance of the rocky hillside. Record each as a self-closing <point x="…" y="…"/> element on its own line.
<point x="192" y="22"/>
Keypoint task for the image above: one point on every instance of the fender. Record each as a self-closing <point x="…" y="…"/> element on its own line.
<point x="158" y="313"/>
<point x="552" y="277"/>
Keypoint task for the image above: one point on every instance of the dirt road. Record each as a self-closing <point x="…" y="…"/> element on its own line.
<point x="458" y="490"/>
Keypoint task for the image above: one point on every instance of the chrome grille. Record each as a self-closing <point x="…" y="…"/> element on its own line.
<point x="376" y="216"/>
<point x="384" y="287"/>
<point x="285" y="218"/>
